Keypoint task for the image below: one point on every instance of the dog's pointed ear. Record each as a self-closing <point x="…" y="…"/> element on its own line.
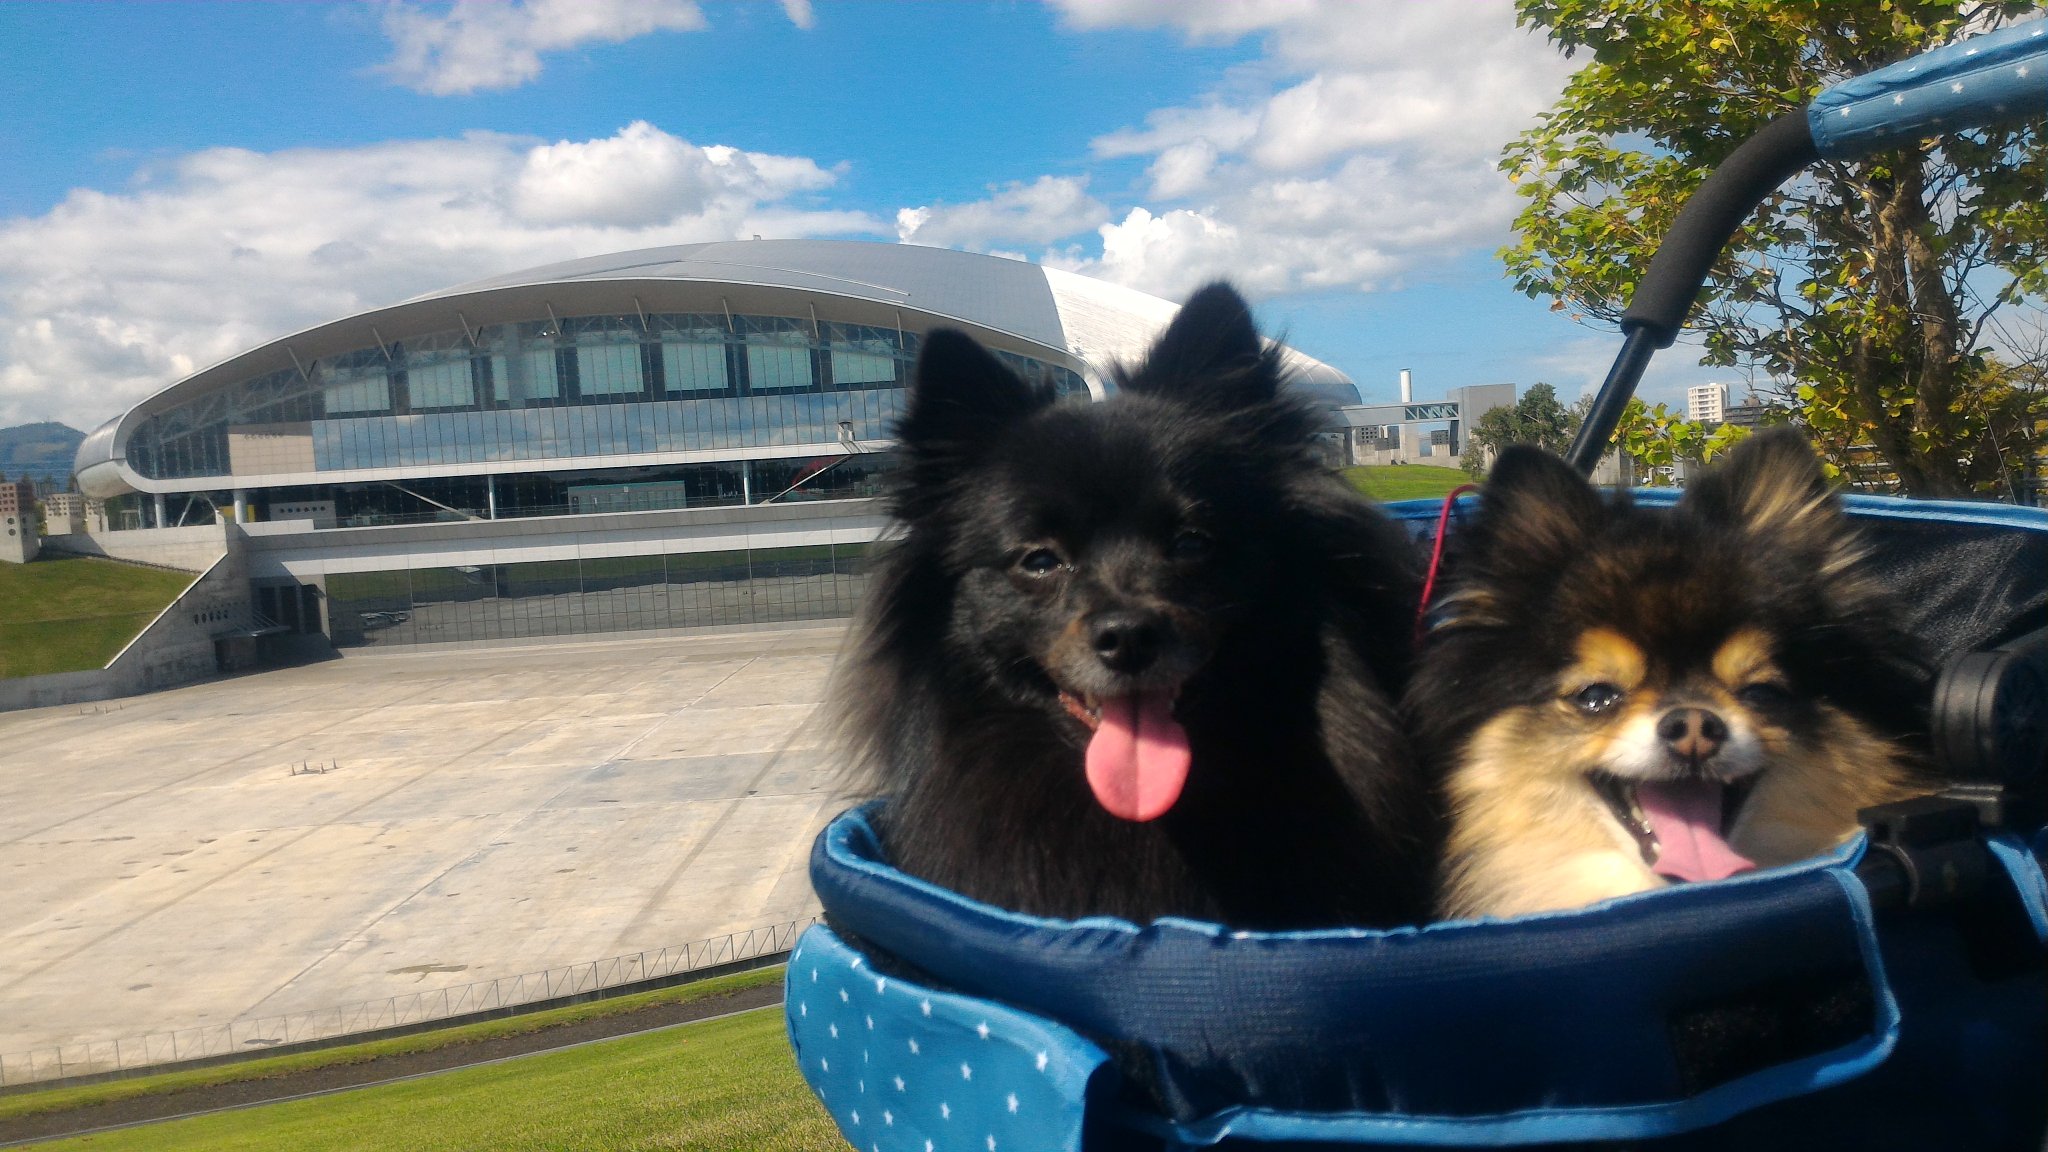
<point x="961" y="396"/>
<point x="1211" y="355"/>
<point x="1535" y="512"/>
<point x="1771" y="487"/>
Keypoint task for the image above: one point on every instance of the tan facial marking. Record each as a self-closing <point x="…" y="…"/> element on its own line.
<point x="1745" y="659"/>
<point x="1605" y="657"/>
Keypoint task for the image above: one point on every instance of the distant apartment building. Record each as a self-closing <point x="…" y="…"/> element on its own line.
<point x="1474" y="401"/>
<point x="68" y="512"/>
<point x="1749" y="414"/>
<point x="18" y="522"/>
<point x="1706" y="403"/>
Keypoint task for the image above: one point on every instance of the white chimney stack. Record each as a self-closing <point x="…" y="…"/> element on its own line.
<point x="1407" y="388"/>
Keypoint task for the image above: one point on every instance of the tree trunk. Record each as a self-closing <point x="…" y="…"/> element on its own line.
<point x="1910" y="336"/>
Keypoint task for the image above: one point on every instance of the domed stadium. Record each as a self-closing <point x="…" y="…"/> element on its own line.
<point x="670" y="438"/>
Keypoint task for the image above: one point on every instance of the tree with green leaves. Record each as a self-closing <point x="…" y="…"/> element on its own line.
<point x="1865" y="289"/>
<point x="1536" y="418"/>
<point x="1656" y="440"/>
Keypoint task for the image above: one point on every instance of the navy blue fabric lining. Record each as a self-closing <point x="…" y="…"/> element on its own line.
<point x="1874" y="507"/>
<point x="2024" y="870"/>
<point x="1557" y="1023"/>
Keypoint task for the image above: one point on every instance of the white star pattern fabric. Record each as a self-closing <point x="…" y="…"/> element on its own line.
<point x="905" y="1068"/>
<point x="1979" y="81"/>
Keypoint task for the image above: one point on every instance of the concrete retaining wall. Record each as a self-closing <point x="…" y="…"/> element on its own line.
<point x="192" y="548"/>
<point x="295" y="549"/>
<point x="176" y="647"/>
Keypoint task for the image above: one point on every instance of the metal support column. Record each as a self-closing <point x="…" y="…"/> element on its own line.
<point x="161" y="515"/>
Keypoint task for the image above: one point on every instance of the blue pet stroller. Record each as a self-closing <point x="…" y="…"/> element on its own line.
<point x="1891" y="995"/>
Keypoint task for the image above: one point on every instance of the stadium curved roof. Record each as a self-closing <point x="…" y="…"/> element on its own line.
<point x="1010" y="302"/>
<point x="1097" y="322"/>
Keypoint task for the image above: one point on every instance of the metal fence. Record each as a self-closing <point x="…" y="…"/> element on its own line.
<point x="263" y="1032"/>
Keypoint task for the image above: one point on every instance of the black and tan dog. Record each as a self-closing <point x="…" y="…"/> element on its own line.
<point x="1622" y="696"/>
<point x="1140" y="657"/>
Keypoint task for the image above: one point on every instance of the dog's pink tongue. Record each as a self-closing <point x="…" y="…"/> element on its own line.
<point x="1138" y="758"/>
<point x="1686" y="816"/>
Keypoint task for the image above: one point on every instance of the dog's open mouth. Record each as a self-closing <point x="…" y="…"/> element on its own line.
<point x="1138" y="756"/>
<point x="1678" y="825"/>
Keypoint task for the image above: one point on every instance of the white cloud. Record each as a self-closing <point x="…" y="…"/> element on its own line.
<point x="800" y="14"/>
<point x="1199" y="19"/>
<point x="108" y="297"/>
<point x="1360" y="150"/>
<point x="1048" y="209"/>
<point x="1183" y="170"/>
<point x="481" y="44"/>
<point x="1213" y="123"/>
<point x="644" y="176"/>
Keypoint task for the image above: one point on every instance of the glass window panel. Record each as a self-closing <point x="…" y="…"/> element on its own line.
<point x="850" y="368"/>
<point x="611" y="430"/>
<point x="778" y="365"/>
<point x="694" y="367"/>
<point x="665" y="427"/>
<point x="365" y="608"/>
<point x="609" y="369"/>
<point x="528" y="375"/>
<point x="444" y="385"/>
<point x="369" y="392"/>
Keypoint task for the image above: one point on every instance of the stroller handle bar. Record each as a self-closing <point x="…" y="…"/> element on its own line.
<point x="1972" y="83"/>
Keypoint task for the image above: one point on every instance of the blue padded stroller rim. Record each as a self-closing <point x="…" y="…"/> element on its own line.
<point x="1549" y="1027"/>
<point x="1858" y="505"/>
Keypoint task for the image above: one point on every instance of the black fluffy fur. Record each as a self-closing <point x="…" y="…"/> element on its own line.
<point x="1301" y="807"/>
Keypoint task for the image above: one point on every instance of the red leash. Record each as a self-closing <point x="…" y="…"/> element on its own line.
<point x="1436" y="556"/>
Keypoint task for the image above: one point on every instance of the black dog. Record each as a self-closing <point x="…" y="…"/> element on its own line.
<point x="1138" y="658"/>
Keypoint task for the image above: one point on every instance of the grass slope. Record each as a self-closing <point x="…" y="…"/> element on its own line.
<point x="72" y="613"/>
<point x="275" y="1067"/>
<point x="1387" y="482"/>
<point x="720" y="1085"/>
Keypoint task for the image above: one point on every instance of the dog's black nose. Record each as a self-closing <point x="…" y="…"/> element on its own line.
<point x="1126" y="641"/>
<point x="1693" y="734"/>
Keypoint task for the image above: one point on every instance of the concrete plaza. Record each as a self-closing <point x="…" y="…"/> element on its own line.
<point x="491" y="812"/>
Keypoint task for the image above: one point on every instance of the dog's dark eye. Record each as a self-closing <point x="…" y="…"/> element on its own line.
<point x="1595" y="698"/>
<point x="1040" y="562"/>
<point x="1764" y="696"/>
<point x="1189" y="544"/>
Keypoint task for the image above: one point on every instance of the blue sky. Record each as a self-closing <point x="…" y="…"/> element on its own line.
<point x="184" y="181"/>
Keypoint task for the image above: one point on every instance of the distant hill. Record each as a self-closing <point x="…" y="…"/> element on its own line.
<point x="43" y="451"/>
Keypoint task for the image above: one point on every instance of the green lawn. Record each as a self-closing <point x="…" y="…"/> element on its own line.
<point x="72" y="613"/>
<point x="270" y="1067"/>
<point x="1389" y="482"/>
<point x="720" y="1085"/>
